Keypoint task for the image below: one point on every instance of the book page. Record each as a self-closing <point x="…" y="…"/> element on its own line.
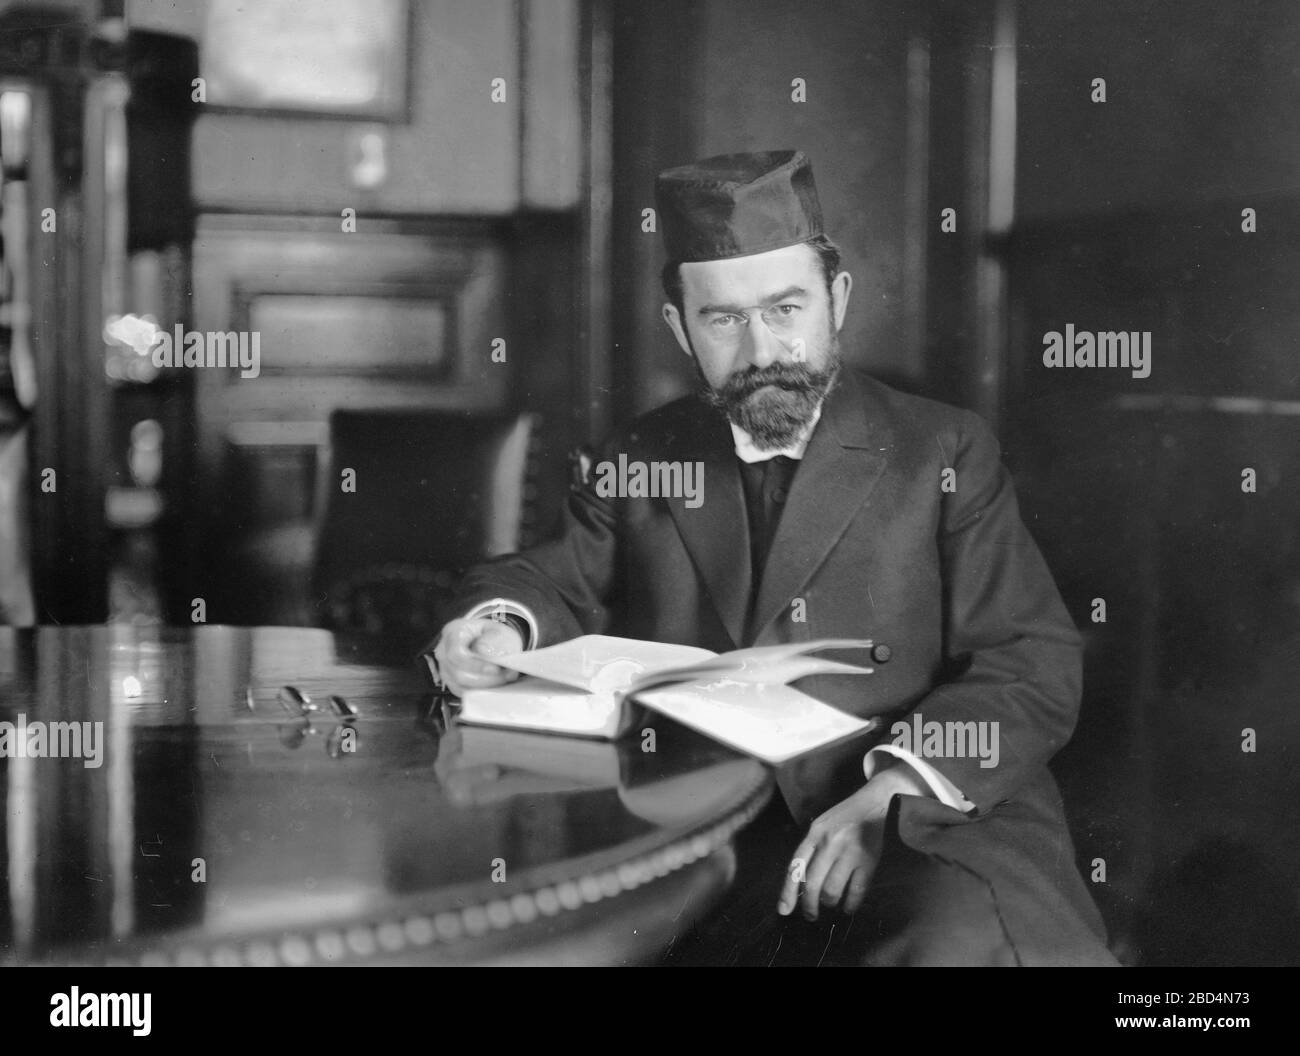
<point x="771" y="722"/>
<point x="779" y="668"/>
<point x="601" y="663"/>
<point x="536" y="705"/>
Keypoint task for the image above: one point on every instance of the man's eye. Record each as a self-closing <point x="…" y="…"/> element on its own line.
<point x="787" y="310"/>
<point x="725" y="322"/>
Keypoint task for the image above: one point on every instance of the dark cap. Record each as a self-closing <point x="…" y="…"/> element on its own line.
<point x="737" y="204"/>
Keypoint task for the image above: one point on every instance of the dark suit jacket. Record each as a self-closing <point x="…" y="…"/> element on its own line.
<point x="950" y="580"/>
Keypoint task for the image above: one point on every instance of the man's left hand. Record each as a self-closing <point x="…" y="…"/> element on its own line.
<point x="837" y="859"/>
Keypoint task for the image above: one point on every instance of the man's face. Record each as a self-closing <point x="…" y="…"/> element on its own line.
<point x="763" y="331"/>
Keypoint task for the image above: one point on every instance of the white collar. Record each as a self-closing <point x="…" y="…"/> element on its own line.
<point x="747" y="452"/>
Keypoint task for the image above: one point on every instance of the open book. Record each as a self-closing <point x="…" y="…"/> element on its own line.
<point x="583" y="687"/>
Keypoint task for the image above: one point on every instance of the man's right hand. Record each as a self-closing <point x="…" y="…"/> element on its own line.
<point x="464" y="647"/>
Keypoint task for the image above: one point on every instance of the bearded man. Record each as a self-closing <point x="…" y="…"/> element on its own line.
<point x="834" y="507"/>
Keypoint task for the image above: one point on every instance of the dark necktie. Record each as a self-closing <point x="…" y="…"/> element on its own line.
<point x="767" y="485"/>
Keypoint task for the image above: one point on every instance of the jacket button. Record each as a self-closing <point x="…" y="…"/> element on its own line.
<point x="881" y="654"/>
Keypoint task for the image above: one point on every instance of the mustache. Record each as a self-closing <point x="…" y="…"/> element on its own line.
<point x="793" y="377"/>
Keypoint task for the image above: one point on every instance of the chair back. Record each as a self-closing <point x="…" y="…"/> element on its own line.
<point x="435" y="492"/>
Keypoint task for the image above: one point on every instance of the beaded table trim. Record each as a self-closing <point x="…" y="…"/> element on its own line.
<point x="395" y="932"/>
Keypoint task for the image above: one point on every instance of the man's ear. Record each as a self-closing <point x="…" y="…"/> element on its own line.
<point x="841" y="286"/>
<point x="674" y="320"/>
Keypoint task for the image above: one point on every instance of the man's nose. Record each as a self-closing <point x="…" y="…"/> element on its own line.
<point x="762" y="347"/>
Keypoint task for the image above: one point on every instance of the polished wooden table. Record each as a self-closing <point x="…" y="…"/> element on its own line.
<point x="233" y="821"/>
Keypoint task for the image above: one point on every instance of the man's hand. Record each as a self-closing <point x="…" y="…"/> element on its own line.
<point x="463" y="647"/>
<point x="837" y="859"/>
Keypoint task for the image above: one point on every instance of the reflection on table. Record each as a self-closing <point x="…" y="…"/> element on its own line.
<point x="233" y="821"/>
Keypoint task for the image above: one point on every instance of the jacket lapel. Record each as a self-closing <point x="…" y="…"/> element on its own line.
<point x="716" y="533"/>
<point x="846" y="456"/>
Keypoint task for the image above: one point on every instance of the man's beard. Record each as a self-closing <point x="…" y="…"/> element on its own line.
<point x="775" y="417"/>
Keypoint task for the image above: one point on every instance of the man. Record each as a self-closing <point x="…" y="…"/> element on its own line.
<point x="833" y="506"/>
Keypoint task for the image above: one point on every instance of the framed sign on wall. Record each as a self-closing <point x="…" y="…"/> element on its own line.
<point x="335" y="58"/>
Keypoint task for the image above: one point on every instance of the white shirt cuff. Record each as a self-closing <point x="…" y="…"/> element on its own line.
<point x="509" y="608"/>
<point x="944" y="790"/>
<point x="501" y="605"/>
